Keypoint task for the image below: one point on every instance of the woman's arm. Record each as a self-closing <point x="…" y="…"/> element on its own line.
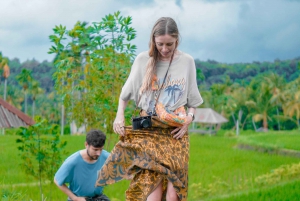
<point x="119" y="122"/>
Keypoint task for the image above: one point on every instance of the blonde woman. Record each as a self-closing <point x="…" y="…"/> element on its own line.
<point x="163" y="84"/>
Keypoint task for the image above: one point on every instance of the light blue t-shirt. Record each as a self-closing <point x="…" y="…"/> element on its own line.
<point x="81" y="175"/>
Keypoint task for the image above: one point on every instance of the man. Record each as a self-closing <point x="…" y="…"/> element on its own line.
<point x="80" y="170"/>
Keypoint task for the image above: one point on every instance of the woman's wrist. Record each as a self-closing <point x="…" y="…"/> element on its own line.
<point x="191" y="115"/>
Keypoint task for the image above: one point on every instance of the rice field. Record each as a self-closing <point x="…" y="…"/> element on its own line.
<point x="217" y="169"/>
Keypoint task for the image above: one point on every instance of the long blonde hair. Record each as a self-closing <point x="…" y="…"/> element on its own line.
<point x="163" y="26"/>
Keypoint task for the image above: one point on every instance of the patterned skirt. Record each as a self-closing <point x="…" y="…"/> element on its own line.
<point x="148" y="157"/>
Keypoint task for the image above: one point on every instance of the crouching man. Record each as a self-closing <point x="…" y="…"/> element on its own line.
<point x="80" y="169"/>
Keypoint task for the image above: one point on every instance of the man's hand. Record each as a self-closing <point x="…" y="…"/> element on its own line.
<point x="79" y="199"/>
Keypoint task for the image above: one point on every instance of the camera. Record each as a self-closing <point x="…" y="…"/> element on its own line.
<point x="141" y="122"/>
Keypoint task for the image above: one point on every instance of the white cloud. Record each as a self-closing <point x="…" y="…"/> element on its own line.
<point x="226" y="31"/>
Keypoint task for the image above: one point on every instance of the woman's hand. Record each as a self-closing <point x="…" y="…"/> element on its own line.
<point x="119" y="124"/>
<point x="180" y="131"/>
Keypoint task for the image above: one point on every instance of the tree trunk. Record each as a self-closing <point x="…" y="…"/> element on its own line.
<point x="243" y="124"/>
<point x="33" y="107"/>
<point x="233" y="117"/>
<point x="278" y="119"/>
<point x="62" y="119"/>
<point x="265" y="121"/>
<point x="5" y="86"/>
<point x="254" y="125"/>
<point x="25" y="102"/>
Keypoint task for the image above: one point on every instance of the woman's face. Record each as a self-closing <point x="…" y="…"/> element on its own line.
<point x="165" y="45"/>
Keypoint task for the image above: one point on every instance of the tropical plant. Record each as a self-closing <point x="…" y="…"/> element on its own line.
<point x="35" y="90"/>
<point x="260" y="102"/>
<point x="24" y="79"/>
<point x="4" y="65"/>
<point x="92" y="64"/>
<point x="41" y="154"/>
<point x="277" y="84"/>
<point x="291" y="107"/>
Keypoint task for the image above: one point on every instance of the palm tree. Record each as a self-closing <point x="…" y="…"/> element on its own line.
<point x="24" y="79"/>
<point x="3" y="64"/>
<point x="291" y="107"/>
<point x="35" y="90"/>
<point x="5" y="75"/>
<point x="172" y="90"/>
<point x="276" y="83"/>
<point x="260" y="102"/>
<point x="240" y="95"/>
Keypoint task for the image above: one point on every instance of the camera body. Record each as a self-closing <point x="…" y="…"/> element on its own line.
<point x="141" y="122"/>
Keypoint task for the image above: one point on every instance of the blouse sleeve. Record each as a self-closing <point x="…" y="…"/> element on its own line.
<point x="134" y="81"/>
<point x="194" y="98"/>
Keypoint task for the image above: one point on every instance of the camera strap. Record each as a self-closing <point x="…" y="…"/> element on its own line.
<point x="159" y="88"/>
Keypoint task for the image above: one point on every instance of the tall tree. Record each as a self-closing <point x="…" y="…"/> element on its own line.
<point x="92" y="67"/>
<point x="260" y="102"/>
<point x="24" y="79"/>
<point x="291" y="107"/>
<point x="5" y="75"/>
<point x="35" y="90"/>
<point x="276" y="83"/>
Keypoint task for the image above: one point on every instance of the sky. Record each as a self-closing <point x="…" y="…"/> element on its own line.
<point x="227" y="31"/>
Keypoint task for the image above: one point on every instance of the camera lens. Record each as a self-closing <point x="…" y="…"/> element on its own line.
<point x="145" y="123"/>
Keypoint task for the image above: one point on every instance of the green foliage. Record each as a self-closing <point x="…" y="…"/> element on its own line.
<point x="266" y="103"/>
<point x="214" y="163"/>
<point x="286" y="191"/>
<point x="3" y="60"/>
<point x="284" y="172"/>
<point x="40" y="154"/>
<point x="8" y="194"/>
<point x="278" y="175"/>
<point x="25" y="78"/>
<point x="92" y="63"/>
<point x="243" y="73"/>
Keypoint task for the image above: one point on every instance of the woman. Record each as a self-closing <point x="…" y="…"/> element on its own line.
<point x="162" y="82"/>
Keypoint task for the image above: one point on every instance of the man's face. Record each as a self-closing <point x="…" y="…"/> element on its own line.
<point x="93" y="152"/>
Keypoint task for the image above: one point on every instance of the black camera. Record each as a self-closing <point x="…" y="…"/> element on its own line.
<point x="141" y="122"/>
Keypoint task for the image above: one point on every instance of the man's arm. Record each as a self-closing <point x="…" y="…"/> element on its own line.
<point x="68" y="192"/>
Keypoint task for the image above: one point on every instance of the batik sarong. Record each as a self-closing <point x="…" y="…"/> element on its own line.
<point x="148" y="157"/>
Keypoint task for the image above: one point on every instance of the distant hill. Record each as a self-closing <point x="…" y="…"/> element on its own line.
<point x="42" y="72"/>
<point x="215" y="72"/>
<point x="209" y="72"/>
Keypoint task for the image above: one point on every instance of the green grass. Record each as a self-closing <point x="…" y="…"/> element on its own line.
<point x="274" y="139"/>
<point x="283" y="192"/>
<point x="215" y="164"/>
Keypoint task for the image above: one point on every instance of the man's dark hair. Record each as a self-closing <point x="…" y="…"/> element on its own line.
<point x="95" y="138"/>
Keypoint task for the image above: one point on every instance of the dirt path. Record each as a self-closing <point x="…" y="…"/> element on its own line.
<point x="22" y="184"/>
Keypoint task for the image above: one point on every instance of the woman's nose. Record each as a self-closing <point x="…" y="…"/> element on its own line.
<point x="164" y="48"/>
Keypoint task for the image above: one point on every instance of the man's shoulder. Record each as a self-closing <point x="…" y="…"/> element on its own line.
<point x="105" y="153"/>
<point x="73" y="157"/>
